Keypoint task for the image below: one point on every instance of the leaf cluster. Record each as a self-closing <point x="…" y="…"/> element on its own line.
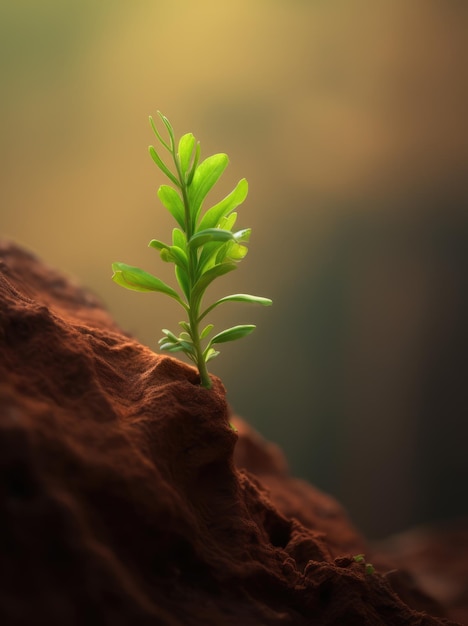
<point x="205" y="245"/>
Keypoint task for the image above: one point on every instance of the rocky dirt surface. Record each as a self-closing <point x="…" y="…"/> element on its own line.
<point x="127" y="498"/>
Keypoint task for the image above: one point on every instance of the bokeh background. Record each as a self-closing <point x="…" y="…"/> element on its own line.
<point x="349" y="121"/>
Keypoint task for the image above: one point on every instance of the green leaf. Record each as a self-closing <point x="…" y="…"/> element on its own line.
<point x="236" y="252"/>
<point x="186" y="145"/>
<point x="246" y="297"/>
<point x="211" y="353"/>
<point x="162" y="166"/>
<point x="232" y="251"/>
<point x="170" y="130"/>
<point x="158" y="245"/>
<point x="172" y="347"/>
<point x="171" y="343"/>
<point x="210" y="234"/>
<point x="179" y="257"/>
<point x="185" y="326"/>
<point x="228" y="222"/>
<point x="183" y="280"/>
<point x="222" y="255"/>
<point x="205" y="177"/>
<point x="188" y="348"/>
<point x="231" y="334"/>
<point x="243" y="235"/>
<point x="196" y="158"/>
<point x="138" y="280"/>
<point x="237" y="297"/>
<point x="204" y="281"/>
<point x="213" y="216"/>
<point x="173" y="203"/>
<point x="206" y="331"/>
<point x="169" y="335"/>
<point x="179" y="239"/>
<point x="168" y="346"/>
<point x="170" y="254"/>
<point x="158" y="135"/>
<point x="166" y="256"/>
<point x="209" y="255"/>
<point x="214" y="253"/>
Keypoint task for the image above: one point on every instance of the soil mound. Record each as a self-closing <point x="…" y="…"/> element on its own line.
<point x="128" y="499"/>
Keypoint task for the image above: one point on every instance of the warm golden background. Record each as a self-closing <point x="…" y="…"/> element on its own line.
<point x="349" y="121"/>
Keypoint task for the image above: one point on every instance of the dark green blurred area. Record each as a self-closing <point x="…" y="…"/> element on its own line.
<point x="349" y="122"/>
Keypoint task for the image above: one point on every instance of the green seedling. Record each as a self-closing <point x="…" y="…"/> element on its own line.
<point x="368" y="567"/>
<point x="204" y="247"/>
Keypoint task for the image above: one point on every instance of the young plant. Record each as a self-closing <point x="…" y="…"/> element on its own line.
<point x="369" y="568"/>
<point x="204" y="247"/>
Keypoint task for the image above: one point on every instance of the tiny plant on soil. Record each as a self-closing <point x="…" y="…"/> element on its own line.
<point x="204" y="247"/>
<point x="368" y="567"/>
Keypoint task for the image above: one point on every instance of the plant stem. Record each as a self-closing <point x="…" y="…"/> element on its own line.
<point x="193" y="307"/>
<point x="205" y="379"/>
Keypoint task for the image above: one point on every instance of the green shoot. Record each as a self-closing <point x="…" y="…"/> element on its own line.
<point x="204" y="246"/>
<point x="359" y="558"/>
<point x="368" y="567"/>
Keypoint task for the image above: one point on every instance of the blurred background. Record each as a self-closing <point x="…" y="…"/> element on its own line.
<point x="349" y="121"/>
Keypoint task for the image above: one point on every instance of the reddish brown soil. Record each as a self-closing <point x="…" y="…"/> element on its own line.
<point x="127" y="499"/>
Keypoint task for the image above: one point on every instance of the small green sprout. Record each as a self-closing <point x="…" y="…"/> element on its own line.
<point x="359" y="558"/>
<point x="204" y="246"/>
<point x="369" y="568"/>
